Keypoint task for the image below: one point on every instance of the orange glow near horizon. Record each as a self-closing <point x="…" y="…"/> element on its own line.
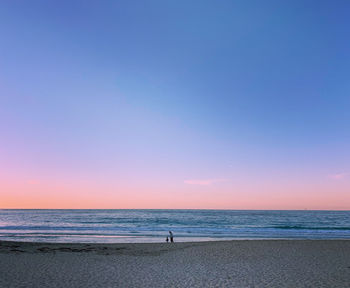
<point x="36" y="194"/>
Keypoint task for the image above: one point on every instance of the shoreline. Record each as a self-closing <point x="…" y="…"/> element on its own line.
<point x="233" y="263"/>
<point x="163" y="242"/>
<point x="36" y="243"/>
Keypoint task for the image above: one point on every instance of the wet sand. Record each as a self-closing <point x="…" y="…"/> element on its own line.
<point x="245" y="263"/>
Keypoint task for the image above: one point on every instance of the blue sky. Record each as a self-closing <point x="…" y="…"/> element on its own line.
<point x="167" y="91"/>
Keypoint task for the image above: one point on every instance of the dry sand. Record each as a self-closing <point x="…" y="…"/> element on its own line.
<point x="254" y="263"/>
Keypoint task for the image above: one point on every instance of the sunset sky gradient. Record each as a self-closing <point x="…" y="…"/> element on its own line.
<point x="175" y="104"/>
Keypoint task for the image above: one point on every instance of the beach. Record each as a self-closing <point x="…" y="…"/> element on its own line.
<point x="238" y="263"/>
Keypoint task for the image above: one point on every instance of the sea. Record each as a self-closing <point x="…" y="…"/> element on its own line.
<point x="130" y="226"/>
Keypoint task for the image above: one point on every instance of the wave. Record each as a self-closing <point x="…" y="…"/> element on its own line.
<point x="298" y="227"/>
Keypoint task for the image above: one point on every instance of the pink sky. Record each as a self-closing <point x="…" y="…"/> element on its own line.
<point x="330" y="193"/>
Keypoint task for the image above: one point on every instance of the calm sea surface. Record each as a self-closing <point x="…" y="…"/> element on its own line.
<point x="153" y="225"/>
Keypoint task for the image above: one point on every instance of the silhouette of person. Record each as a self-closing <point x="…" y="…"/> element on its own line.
<point x="171" y="237"/>
<point x="167" y="239"/>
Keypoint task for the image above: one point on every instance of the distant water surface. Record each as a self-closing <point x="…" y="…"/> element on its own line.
<point x="111" y="226"/>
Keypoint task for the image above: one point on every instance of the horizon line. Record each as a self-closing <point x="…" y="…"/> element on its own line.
<point x="226" y="209"/>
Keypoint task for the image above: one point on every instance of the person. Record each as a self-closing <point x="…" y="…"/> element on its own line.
<point x="167" y="239"/>
<point x="171" y="237"/>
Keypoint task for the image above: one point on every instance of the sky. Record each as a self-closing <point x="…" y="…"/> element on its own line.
<point x="175" y="104"/>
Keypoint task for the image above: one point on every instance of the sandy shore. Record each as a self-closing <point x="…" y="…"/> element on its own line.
<point x="254" y="263"/>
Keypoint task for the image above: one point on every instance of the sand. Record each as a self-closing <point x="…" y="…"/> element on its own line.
<point x="246" y="263"/>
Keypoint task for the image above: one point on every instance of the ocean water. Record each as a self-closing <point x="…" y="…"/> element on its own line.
<point x="111" y="226"/>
